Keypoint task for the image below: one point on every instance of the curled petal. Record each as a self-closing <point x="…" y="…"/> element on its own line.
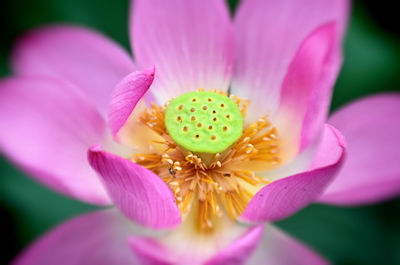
<point x="189" y="42"/>
<point x="126" y="95"/>
<point x="98" y="238"/>
<point x="269" y="33"/>
<point x="81" y="56"/>
<point x="371" y="172"/>
<point x="47" y="127"/>
<point x="307" y="89"/>
<point x="285" y="196"/>
<point x="137" y="192"/>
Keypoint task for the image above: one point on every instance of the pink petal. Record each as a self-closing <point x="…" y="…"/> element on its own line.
<point x="285" y="196"/>
<point x="137" y="192"/>
<point x="189" y="42"/>
<point x="47" y="128"/>
<point x="278" y="248"/>
<point x="98" y="238"/>
<point x="152" y="251"/>
<point x="269" y="33"/>
<point x="240" y="250"/>
<point x="307" y="88"/>
<point x="126" y="95"/>
<point x="78" y="55"/>
<point x="371" y="172"/>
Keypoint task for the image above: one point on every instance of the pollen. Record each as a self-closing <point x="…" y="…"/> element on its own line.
<point x="222" y="184"/>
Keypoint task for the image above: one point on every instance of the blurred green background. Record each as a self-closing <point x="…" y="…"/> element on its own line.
<point x="356" y="235"/>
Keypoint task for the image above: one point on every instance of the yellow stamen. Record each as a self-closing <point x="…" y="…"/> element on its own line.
<point x="218" y="182"/>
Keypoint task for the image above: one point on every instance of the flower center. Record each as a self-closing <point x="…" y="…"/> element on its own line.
<point x="203" y="122"/>
<point x="215" y="173"/>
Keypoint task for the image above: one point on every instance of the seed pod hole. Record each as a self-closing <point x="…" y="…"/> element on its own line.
<point x="193" y="118"/>
<point x="192" y="110"/>
<point x="185" y="129"/>
<point x="213" y="137"/>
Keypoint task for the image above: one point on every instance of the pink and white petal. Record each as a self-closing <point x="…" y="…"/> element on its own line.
<point x="149" y="251"/>
<point x="47" y="127"/>
<point x="98" y="238"/>
<point x="285" y="196"/>
<point x="138" y="137"/>
<point x="240" y="250"/>
<point x="307" y="89"/>
<point x="268" y="35"/>
<point x="81" y="56"/>
<point x="140" y="194"/>
<point x="278" y="248"/>
<point x="161" y="251"/>
<point x="191" y="50"/>
<point x="371" y="172"/>
<point x="126" y="95"/>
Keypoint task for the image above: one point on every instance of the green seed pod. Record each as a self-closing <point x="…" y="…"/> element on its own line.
<point x="204" y="122"/>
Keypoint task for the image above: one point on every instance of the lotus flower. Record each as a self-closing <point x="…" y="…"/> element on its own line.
<point x="217" y="128"/>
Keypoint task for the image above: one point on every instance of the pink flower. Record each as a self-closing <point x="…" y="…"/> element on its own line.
<point x="75" y="91"/>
